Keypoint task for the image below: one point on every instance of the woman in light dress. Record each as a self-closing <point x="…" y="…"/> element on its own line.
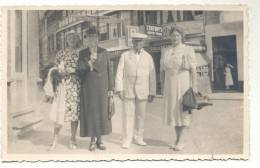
<point x="228" y="76"/>
<point x="178" y="73"/>
<point x="65" y="107"/>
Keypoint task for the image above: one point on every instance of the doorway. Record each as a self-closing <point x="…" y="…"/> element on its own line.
<point x="224" y="55"/>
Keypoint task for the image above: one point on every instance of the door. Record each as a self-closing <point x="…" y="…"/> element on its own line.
<point x="225" y="63"/>
<point x="156" y="58"/>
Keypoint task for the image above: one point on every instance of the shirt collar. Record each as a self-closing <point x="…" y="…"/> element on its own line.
<point x="141" y="50"/>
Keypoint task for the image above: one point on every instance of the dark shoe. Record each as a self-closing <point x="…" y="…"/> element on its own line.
<point x="101" y="146"/>
<point x="92" y="146"/>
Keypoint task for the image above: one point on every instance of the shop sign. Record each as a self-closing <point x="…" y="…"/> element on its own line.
<point x="154" y="30"/>
<point x="189" y="27"/>
<point x="203" y="71"/>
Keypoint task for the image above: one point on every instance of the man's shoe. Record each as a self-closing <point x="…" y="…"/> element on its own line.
<point x="126" y="145"/>
<point x="140" y="142"/>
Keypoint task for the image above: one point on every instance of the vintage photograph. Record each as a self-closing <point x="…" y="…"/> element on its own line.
<point x="121" y="84"/>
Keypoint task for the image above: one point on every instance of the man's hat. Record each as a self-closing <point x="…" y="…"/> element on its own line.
<point x="138" y="36"/>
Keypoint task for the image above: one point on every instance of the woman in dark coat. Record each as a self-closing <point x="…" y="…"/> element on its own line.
<point x="96" y="87"/>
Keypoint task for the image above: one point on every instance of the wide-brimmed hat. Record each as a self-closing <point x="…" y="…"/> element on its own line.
<point x="138" y="36"/>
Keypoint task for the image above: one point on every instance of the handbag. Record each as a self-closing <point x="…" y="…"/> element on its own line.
<point x="189" y="101"/>
<point x="111" y="107"/>
<point x="192" y="100"/>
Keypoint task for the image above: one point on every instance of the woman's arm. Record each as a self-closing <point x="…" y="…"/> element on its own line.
<point x="83" y="62"/>
<point x="193" y="70"/>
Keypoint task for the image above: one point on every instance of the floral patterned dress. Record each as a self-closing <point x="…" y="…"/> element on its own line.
<point x="69" y="60"/>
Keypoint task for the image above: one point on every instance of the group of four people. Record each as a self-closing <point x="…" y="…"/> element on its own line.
<point x="87" y="83"/>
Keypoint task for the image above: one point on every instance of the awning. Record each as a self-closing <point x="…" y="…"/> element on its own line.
<point x="201" y="61"/>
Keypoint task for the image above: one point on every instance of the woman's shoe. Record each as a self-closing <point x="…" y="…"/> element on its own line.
<point x="172" y="146"/>
<point x="53" y="144"/>
<point x="178" y="147"/>
<point x="101" y="146"/>
<point x="92" y="146"/>
<point x="72" y="145"/>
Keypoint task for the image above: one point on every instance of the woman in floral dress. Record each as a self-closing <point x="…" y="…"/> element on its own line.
<point x="67" y="109"/>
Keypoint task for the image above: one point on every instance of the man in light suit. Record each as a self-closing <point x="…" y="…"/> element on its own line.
<point x="135" y="85"/>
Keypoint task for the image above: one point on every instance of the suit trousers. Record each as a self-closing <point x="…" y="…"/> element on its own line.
<point x="133" y="119"/>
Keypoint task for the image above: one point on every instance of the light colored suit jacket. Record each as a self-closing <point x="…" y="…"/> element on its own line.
<point x="136" y="75"/>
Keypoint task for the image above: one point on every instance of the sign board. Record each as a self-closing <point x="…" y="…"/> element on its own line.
<point x="154" y="30"/>
<point x="189" y="27"/>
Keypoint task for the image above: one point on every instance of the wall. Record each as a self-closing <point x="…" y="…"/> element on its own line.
<point x="225" y="29"/>
<point x="226" y="17"/>
<point x="33" y="57"/>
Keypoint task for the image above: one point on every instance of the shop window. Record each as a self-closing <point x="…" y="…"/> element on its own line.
<point x="123" y="29"/>
<point x="114" y="31"/>
<point x="103" y="34"/>
<point x="18" y="42"/>
<point x="50" y="45"/>
<point x="187" y="16"/>
<point x="151" y="17"/>
<point x="170" y="17"/>
<point x="140" y="17"/>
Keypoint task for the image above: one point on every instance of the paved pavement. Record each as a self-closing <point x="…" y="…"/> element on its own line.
<point x="217" y="129"/>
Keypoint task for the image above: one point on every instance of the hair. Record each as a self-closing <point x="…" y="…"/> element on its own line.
<point x="75" y="35"/>
<point x="179" y="30"/>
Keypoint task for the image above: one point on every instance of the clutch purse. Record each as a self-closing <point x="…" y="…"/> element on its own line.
<point x="192" y="100"/>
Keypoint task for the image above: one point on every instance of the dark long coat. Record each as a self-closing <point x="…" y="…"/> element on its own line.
<point x="94" y="117"/>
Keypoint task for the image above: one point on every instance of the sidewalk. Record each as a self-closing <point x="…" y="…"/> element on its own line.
<point x="217" y="129"/>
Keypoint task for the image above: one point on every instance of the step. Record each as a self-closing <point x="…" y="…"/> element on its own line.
<point x="26" y="124"/>
<point x="22" y="112"/>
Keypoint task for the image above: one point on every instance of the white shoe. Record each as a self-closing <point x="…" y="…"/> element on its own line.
<point x="140" y="142"/>
<point x="178" y="147"/>
<point x="126" y="145"/>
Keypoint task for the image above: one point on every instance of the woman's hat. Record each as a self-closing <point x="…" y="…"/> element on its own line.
<point x="92" y="30"/>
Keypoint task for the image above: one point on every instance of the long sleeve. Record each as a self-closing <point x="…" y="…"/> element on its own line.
<point x="83" y="65"/>
<point x="110" y="73"/>
<point x="120" y="74"/>
<point x="152" y="77"/>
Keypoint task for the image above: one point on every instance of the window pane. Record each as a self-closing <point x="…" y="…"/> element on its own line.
<point x="151" y="17"/>
<point x="187" y="15"/>
<point x="170" y="17"/>
<point x="140" y="16"/>
<point x="198" y="12"/>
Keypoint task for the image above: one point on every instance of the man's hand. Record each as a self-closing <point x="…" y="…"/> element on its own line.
<point x="150" y="98"/>
<point x="121" y="95"/>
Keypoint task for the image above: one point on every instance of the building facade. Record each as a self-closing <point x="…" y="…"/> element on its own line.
<point x="224" y="34"/>
<point x="23" y="79"/>
<point x="199" y="28"/>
